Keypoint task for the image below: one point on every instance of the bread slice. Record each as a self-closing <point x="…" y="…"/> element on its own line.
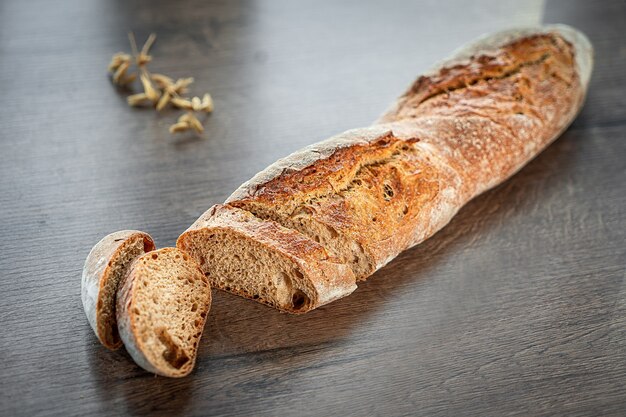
<point x="105" y="266"/>
<point x="162" y="305"/>
<point x="262" y="260"/>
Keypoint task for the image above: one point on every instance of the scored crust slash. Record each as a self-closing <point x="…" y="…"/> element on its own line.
<point x="304" y="231"/>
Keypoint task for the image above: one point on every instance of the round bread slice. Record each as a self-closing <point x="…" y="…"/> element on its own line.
<point x="162" y="305"/>
<point x="105" y="266"/>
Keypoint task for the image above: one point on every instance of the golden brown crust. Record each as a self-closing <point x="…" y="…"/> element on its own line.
<point x="533" y="77"/>
<point x="501" y="63"/>
<point x="387" y="188"/>
<point x="493" y="60"/>
<point x="492" y="115"/>
<point x="307" y="169"/>
<point x="476" y="60"/>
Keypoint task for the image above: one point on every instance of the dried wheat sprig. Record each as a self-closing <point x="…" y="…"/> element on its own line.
<point x="162" y="81"/>
<point x="195" y="123"/>
<point x="133" y="45"/>
<point x="207" y="103"/>
<point x="120" y="72"/>
<point x="139" y="99"/>
<point x="179" y="127"/>
<point x="182" y="103"/>
<point x="158" y="89"/>
<point x="163" y="101"/>
<point x="129" y="79"/>
<point x="180" y="86"/>
<point x="143" y="58"/>
<point x="150" y="91"/>
<point x="196" y="104"/>
<point x="117" y="60"/>
<point x="186" y="122"/>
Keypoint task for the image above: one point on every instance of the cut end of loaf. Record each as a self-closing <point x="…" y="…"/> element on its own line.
<point x="264" y="261"/>
<point x="104" y="268"/>
<point x="162" y="307"/>
<point x="242" y="266"/>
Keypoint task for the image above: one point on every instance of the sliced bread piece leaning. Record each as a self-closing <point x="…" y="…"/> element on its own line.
<point x="264" y="261"/>
<point x="105" y="266"/>
<point x="162" y="305"/>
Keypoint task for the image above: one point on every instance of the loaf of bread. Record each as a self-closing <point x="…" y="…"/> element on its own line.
<point x="302" y="232"/>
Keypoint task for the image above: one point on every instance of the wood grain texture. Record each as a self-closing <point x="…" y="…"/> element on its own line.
<point x="517" y="307"/>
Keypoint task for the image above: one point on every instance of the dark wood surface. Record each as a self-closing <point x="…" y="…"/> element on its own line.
<point x="517" y="307"/>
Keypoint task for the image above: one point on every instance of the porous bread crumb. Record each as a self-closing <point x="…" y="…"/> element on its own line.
<point x="162" y="308"/>
<point x="264" y="261"/>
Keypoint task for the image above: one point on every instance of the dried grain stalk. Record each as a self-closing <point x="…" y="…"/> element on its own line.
<point x="158" y="90"/>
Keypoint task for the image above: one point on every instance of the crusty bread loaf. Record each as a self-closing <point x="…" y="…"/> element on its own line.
<point x="368" y="194"/>
<point x="105" y="266"/>
<point x="162" y="305"/>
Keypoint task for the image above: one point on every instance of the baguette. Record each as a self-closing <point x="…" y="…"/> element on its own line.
<point x="105" y="266"/>
<point x="162" y="306"/>
<point x="368" y="194"/>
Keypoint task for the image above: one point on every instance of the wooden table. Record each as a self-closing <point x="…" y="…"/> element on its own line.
<point x="517" y="307"/>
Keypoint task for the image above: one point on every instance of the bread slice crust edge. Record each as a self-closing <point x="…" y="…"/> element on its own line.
<point x="96" y="287"/>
